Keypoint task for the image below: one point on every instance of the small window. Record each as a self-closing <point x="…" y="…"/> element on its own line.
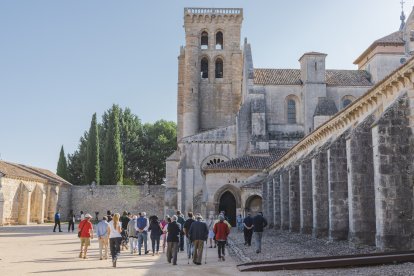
<point x="204" y="40"/>
<point x="291" y="112"/>
<point x="346" y="102"/>
<point x="219" y="68"/>
<point x="204" y="68"/>
<point x="219" y="41"/>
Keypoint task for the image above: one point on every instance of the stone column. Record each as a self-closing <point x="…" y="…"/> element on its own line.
<point x="270" y="204"/>
<point x="361" y="192"/>
<point x="306" y="198"/>
<point x="276" y="201"/>
<point x="284" y="200"/>
<point x="42" y="206"/>
<point x="393" y="166"/>
<point x="265" y="196"/>
<point x="294" y="199"/>
<point x="320" y="195"/>
<point x="338" y="190"/>
<point x="24" y="205"/>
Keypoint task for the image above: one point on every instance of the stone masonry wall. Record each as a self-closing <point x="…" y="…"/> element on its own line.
<point x="149" y="199"/>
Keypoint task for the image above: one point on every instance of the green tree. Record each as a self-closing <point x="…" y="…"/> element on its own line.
<point x="62" y="166"/>
<point x="76" y="162"/>
<point x="159" y="141"/>
<point x="113" y="163"/>
<point x="92" y="163"/>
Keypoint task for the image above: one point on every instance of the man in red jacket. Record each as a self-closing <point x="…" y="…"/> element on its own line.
<point x="221" y="231"/>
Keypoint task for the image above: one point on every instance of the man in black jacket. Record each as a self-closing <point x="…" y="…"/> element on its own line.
<point x="248" y="229"/>
<point x="198" y="234"/>
<point x="259" y="222"/>
<point x="173" y="239"/>
<point x="186" y="229"/>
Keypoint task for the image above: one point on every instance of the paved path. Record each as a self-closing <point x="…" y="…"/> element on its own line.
<point x="37" y="250"/>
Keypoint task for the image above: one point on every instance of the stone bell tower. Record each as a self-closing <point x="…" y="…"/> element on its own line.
<point x="209" y="70"/>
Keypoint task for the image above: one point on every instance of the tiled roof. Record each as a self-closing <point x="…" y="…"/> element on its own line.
<point x="293" y="77"/>
<point x="394" y="39"/>
<point x="29" y="173"/>
<point x="325" y="107"/>
<point x="247" y="162"/>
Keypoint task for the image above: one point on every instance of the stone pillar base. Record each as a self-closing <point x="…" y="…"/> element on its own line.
<point x="357" y="238"/>
<point x="338" y="235"/>
<point x="319" y="233"/>
<point x="393" y="242"/>
<point x="306" y="230"/>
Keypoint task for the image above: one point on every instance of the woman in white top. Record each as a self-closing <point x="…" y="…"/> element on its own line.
<point x="115" y="238"/>
<point x="210" y="225"/>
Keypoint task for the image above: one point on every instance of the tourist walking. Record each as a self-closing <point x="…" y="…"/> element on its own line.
<point x="132" y="234"/>
<point x="186" y="230"/>
<point x="181" y="221"/>
<point x="221" y="231"/>
<point x="82" y="216"/>
<point x="57" y="221"/>
<point x="102" y="231"/>
<point x="85" y="233"/>
<point x="163" y="225"/>
<point x="248" y="229"/>
<point x="124" y="225"/>
<point x="173" y="238"/>
<point x="71" y="221"/>
<point x="142" y="228"/>
<point x="109" y="215"/>
<point x="115" y="238"/>
<point x="198" y="235"/>
<point x="156" y="233"/>
<point x="259" y="222"/>
<point x="210" y="225"/>
<point x="239" y="223"/>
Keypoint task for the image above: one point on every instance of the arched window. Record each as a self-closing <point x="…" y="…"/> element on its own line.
<point x="204" y="40"/>
<point x="219" y="68"/>
<point x="291" y="111"/>
<point x="346" y="102"/>
<point x="219" y="41"/>
<point x="204" y="68"/>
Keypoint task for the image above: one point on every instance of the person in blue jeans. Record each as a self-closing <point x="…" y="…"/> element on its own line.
<point x="57" y="221"/>
<point x="259" y="222"/>
<point x="142" y="229"/>
<point x="239" y="223"/>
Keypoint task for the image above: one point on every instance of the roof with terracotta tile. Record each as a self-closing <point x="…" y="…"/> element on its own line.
<point x="19" y="171"/>
<point x="293" y="77"/>
<point x="393" y="39"/>
<point x="247" y="162"/>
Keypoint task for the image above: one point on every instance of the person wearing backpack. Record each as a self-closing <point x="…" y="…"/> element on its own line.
<point x="57" y="221"/>
<point x="142" y="228"/>
<point x="156" y="233"/>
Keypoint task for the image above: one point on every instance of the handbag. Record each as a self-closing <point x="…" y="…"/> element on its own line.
<point x="79" y="232"/>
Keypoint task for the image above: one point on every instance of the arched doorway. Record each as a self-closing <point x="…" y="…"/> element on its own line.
<point x="254" y="204"/>
<point x="227" y="204"/>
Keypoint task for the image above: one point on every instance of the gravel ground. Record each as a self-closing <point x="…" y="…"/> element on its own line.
<point x="279" y="245"/>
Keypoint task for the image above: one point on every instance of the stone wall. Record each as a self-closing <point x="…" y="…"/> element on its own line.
<point x="149" y="199"/>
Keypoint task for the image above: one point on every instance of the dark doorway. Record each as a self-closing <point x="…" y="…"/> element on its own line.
<point x="228" y="205"/>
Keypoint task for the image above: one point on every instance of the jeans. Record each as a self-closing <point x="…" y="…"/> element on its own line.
<point x="142" y="237"/>
<point x="240" y="226"/>
<point x="71" y="223"/>
<point x="248" y="236"/>
<point x="172" y="250"/>
<point x="132" y="244"/>
<point x="57" y="222"/>
<point x="115" y="246"/>
<point x="258" y="240"/>
<point x="190" y="248"/>
<point x="103" y="246"/>
<point x="221" y="246"/>
<point x="198" y="251"/>
<point x="155" y="242"/>
<point x="181" y="242"/>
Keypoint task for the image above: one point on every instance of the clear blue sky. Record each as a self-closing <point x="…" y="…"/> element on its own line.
<point x="61" y="61"/>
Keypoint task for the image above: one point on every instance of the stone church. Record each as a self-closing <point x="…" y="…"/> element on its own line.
<point x="234" y="120"/>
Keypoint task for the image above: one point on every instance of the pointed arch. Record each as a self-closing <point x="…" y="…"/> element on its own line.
<point x="219" y="40"/>
<point x="204" y="68"/>
<point x="204" y="40"/>
<point x="219" y="68"/>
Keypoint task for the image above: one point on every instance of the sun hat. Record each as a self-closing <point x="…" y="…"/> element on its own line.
<point x="88" y="216"/>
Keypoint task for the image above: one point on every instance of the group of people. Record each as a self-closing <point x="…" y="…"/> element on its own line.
<point x="130" y="232"/>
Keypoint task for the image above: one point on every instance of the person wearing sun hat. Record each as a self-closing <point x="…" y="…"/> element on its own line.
<point x="85" y="233"/>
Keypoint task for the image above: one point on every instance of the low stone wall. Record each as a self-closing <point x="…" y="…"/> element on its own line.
<point x="134" y="199"/>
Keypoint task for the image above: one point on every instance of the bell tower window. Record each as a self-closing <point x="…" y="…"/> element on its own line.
<point x="219" y="41"/>
<point x="204" y="40"/>
<point x="219" y="68"/>
<point x="204" y="68"/>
